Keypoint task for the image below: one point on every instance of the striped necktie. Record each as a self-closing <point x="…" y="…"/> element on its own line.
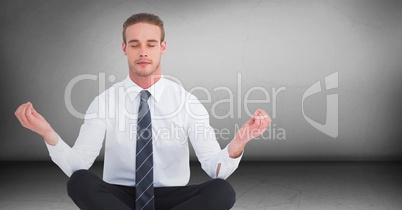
<point x="144" y="188"/>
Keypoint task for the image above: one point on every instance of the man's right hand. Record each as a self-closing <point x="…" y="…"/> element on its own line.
<point x="32" y="120"/>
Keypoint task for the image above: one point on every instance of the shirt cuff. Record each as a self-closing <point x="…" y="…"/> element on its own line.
<point x="59" y="150"/>
<point x="228" y="164"/>
<point x="226" y="156"/>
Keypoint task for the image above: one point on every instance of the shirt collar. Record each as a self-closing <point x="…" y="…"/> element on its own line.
<point x="133" y="89"/>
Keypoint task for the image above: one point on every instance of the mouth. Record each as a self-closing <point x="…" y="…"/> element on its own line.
<point x="143" y="62"/>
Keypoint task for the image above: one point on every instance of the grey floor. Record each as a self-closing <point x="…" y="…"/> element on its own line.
<point x="259" y="185"/>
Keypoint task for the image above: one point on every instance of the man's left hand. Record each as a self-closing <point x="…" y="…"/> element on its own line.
<point x="253" y="128"/>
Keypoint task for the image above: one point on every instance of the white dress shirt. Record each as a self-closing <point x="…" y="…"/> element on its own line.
<point x="176" y="117"/>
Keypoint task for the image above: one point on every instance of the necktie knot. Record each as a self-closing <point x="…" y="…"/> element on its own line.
<point x="145" y="94"/>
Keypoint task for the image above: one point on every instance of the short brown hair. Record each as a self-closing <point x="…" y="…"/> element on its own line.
<point x="143" y="18"/>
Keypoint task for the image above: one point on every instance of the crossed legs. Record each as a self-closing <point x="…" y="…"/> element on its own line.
<point x="88" y="192"/>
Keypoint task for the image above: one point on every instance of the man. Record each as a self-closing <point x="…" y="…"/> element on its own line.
<point x="143" y="168"/>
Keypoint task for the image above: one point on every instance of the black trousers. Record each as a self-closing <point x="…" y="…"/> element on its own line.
<point x="89" y="192"/>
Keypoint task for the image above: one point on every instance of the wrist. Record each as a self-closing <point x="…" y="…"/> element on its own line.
<point x="51" y="138"/>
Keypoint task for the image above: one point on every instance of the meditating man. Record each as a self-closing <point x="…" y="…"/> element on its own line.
<point x="146" y="121"/>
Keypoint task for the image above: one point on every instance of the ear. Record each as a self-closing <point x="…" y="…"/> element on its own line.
<point x="163" y="47"/>
<point x="124" y="47"/>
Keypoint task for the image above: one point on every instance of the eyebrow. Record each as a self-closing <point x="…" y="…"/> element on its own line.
<point x="149" y="40"/>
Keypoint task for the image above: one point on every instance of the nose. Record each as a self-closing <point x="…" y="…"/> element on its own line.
<point x="143" y="53"/>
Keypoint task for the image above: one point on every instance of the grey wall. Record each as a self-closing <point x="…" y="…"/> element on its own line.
<point x="272" y="44"/>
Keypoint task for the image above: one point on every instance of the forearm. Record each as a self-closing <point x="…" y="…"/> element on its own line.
<point x="81" y="155"/>
<point x="235" y="148"/>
